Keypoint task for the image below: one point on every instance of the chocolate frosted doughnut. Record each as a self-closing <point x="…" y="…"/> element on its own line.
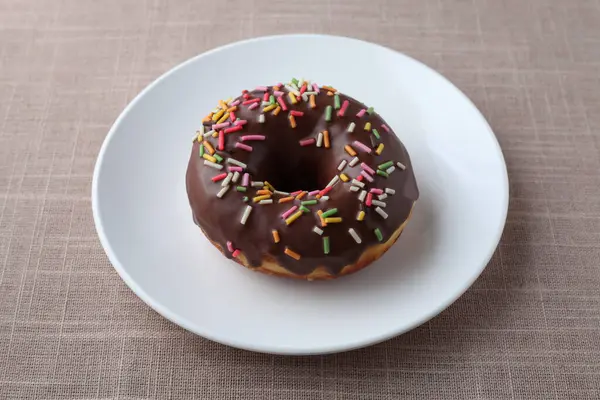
<point x="299" y="180"/>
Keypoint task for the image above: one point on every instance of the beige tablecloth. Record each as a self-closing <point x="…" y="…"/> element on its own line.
<point x="528" y="329"/>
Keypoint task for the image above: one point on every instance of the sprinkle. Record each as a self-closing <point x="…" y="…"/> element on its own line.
<point x="219" y="177"/>
<point x="292" y="98"/>
<point x="382" y="173"/>
<point x="253" y="106"/>
<point x="325" y="191"/>
<point x="360" y="216"/>
<point x="308" y="202"/>
<point x="246" y="179"/>
<point x="390" y="191"/>
<point x="369" y="201"/>
<point x="360" y="178"/>
<point x="265" y="97"/>
<point x="247" y="138"/>
<point x="324" y="198"/>
<point x="307" y="142"/>
<point x="315" y="87"/>
<point x="380" y="211"/>
<point x="201" y="150"/>
<point x="215" y="134"/>
<point x="330" y="88"/>
<point x="243" y="146"/>
<point x="342" y="111"/>
<point x="349" y="150"/>
<point x="367" y="176"/>
<point x="354" y="188"/>
<point x="312" y="102"/>
<point x="275" y="235"/>
<point x="261" y="197"/>
<point x="328" y="113"/>
<point x="235" y="103"/>
<point x="208" y="147"/>
<point x="223" y="191"/>
<point x="378" y="203"/>
<point x="376" y="191"/>
<point x="367" y="168"/>
<point x="236" y="176"/>
<point x="333" y="220"/>
<point x="221" y="141"/>
<point x="326" y="244"/>
<point x="336" y="101"/>
<point x="326" y="139"/>
<point x="223" y="105"/>
<point x="304" y="209"/>
<point x="286" y="199"/>
<point x="276" y="111"/>
<point x="342" y="165"/>
<point x="370" y="110"/>
<point x="245" y="199"/>
<point x="354" y="235"/>
<point x="373" y="142"/>
<point x="382" y="196"/>
<point x="223" y="118"/>
<point x="354" y="161"/>
<point x="227" y="179"/>
<point x="317" y="230"/>
<point x="281" y="102"/>
<point x="362" y="195"/>
<point x="230" y="246"/>
<point x="351" y="127"/>
<point x="297" y="113"/>
<point x="271" y="99"/>
<point x="385" y="165"/>
<point x="362" y="146"/>
<point x="292" y="254"/>
<point x="379" y="148"/>
<point x="236" y="253"/>
<point x="361" y="113"/>
<point x="264" y="191"/>
<point x="358" y="183"/>
<point x="269" y="107"/>
<point x="269" y="186"/>
<point x="236" y="162"/>
<point x="390" y="170"/>
<point x="320" y="214"/>
<point x="241" y="189"/>
<point x="262" y="88"/>
<point x="289" y="212"/>
<point x="222" y="125"/>
<point x="314" y="192"/>
<point x="266" y="201"/>
<point x="333" y="181"/>
<point x="240" y="122"/>
<point x="246" y="214"/>
<point x="303" y="86"/>
<point x="378" y="234"/>
<point x="367" y="126"/>
<point x="295" y="82"/>
<point x="320" y="139"/>
<point x="376" y="133"/>
<point x="401" y="166"/>
<point x="234" y="129"/>
<point x="209" y="158"/>
<point x="278" y="93"/>
<point x="385" y="127"/>
<point x="218" y="115"/>
<point x="261" y="118"/>
<point x="296" y="193"/>
<point x="344" y="177"/>
<point x="301" y="195"/>
<point x="330" y="94"/>
<point x="292" y="121"/>
<point x="292" y="218"/>
<point x="280" y="193"/>
<point x="329" y="213"/>
<point x="212" y="164"/>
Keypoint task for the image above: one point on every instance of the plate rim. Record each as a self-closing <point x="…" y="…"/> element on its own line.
<point x="286" y="350"/>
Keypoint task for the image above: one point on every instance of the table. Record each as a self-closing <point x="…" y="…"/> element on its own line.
<point x="528" y="329"/>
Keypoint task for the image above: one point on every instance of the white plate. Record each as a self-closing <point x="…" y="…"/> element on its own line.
<point x="145" y="224"/>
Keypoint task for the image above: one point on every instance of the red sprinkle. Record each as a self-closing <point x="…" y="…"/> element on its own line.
<point x="325" y="191"/>
<point x="255" y="100"/>
<point x="219" y="177"/>
<point x="385" y="127"/>
<point x="266" y="96"/>
<point x="240" y="122"/>
<point x="246" y="95"/>
<point x="221" y="140"/>
<point x="342" y="111"/>
<point x="234" y="129"/>
<point x="236" y="253"/>
<point x="369" y="199"/>
<point x="281" y="102"/>
<point x="307" y="142"/>
<point x="360" y="178"/>
<point x="303" y="88"/>
<point x="232" y="116"/>
<point x="296" y="113"/>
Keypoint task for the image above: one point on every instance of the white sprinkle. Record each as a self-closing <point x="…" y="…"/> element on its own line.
<point x="342" y="165"/>
<point x="209" y="133"/>
<point x="401" y="166"/>
<point x="212" y="164"/>
<point x="257" y="184"/>
<point x="351" y="127"/>
<point x="390" y="191"/>
<point x="354" y="188"/>
<point x="236" y="176"/>
<point x="324" y="198"/>
<point x="362" y="195"/>
<point x="354" y="161"/>
<point x="223" y="191"/>
<point x="261" y="118"/>
<point x="390" y="170"/>
<point x="320" y="139"/>
<point x="281" y="193"/>
<point x="378" y="203"/>
<point x="265" y="103"/>
<point x="310" y="93"/>
<point x="358" y="183"/>
<point x="381" y="212"/>
<point x="318" y="230"/>
<point x="305" y="97"/>
<point x="333" y="181"/>
<point x="382" y="196"/>
<point x="301" y="82"/>
<point x="291" y="89"/>
<point x="246" y="214"/>
<point x="354" y="235"/>
<point x="294" y="86"/>
<point x="227" y="179"/>
<point x="236" y="162"/>
<point x="266" y="201"/>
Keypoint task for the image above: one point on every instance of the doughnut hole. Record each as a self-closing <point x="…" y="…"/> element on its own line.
<point x="292" y="171"/>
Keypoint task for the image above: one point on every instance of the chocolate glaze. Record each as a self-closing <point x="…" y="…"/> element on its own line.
<point x="289" y="167"/>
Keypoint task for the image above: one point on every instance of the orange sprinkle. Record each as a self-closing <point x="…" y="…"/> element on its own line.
<point x="208" y="147"/>
<point x="329" y="93"/>
<point x="277" y="110"/>
<point x="326" y="139"/>
<point x="350" y="150"/>
<point x="320" y="214"/>
<point x="301" y="195"/>
<point x="230" y="109"/>
<point x="312" y="101"/>
<point x="264" y="191"/>
<point x="222" y="105"/>
<point x="292" y="121"/>
<point x="330" y="88"/>
<point x="207" y="118"/>
<point x="291" y="253"/>
<point x="286" y="199"/>
<point x="275" y="87"/>
<point x="275" y="235"/>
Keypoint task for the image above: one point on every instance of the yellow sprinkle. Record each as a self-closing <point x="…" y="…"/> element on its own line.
<point x="344" y="177"/>
<point x="292" y="98"/>
<point x="379" y="149"/>
<point x="222" y="105"/>
<point x="292" y="121"/>
<point x="270" y="107"/>
<point x="200" y="137"/>
<point x="215" y="134"/>
<point x="275" y="235"/>
<point x="223" y="118"/>
<point x="269" y="186"/>
<point x="293" y="217"/>
<point x="208" y="147"/>
<point x="209" y="158"/>
<point x="326" y="139"/>
<point x="368" y="126"/>
<point x="292" y="254"/>
<point x="360" y="216"/>
<point x="320" y="214"/>
<point x="350" y="150"/>
<point x="259" y="198"/>
<point x="218" y="115"/>
<point x="277" y="110"/>
<point x="333" y="220"/>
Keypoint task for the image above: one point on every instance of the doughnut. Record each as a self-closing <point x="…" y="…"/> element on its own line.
<point x="299" y="180"/>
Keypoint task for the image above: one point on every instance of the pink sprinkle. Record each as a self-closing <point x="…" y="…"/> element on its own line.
<point x="376" y="191"/>
<point x="246" y="138"/>
<point x="282" y="103"/>
<point x="266" y="96"/>
<point x="219" y="177"/>
<point x="243" y="146"/>
<point x="240" y="127"/>
<point x="240" y="122"/>
<point x="314" y="192"/>
<point x="221" y="141"/>
<point x="230" y="246"/>
<point x="289" y="212"/>
<point x="367" y="168"/>
<point x="384" y="126"/>
<point x="234" y="169"/>
<point x="356" y="143"/>
<point x="279" y="84"/>
<point x="246" y="179"/>
<point x="278" y="93"/>
<point x="361" y="113"/>
<point x="253" y="106"/>
<point x="296" y="113"/>
<point x="255" y="100"/>
<point x="296" y="193"/>
<point x="232" y="116"/>
<point x="303" y="88"/>
<point x="262" y="88"/>
<point x="315" y="87"/>
<point x="359" y="178"/>
<point x="325" y="191"/>
<point x="307" y="142"/>
<point x="236" y="253"/>
<point x="221" y="125"/>
<point x="246" y="95"/>
<point x="369" y="199"/>
<point x="342" y="111"/>
<point x="235" y="103"/>
<point x="367" y="176"/>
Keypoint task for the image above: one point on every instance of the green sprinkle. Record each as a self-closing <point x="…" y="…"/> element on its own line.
<point x="245" y="199"/>
<point x="272" y="99"/>
<point x="370" y="110"/>
<point x="218" y="157"/>
<point x="201" y="150"/>
<point x="304" y="209"/>
<point x="336" y="101"/>
<point x="308" y="202"/>
<point x="385" y="165"/>
<point x="326" y="244"/>
<point x="375" y="133"/>
<point x="329" y="212"/>
<point x="241" y="188"/>
<point x="378" y="234"/>
<point x="295" y="81"/>
<point x="382" y="173"/>
<point x="328" y="113"/>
